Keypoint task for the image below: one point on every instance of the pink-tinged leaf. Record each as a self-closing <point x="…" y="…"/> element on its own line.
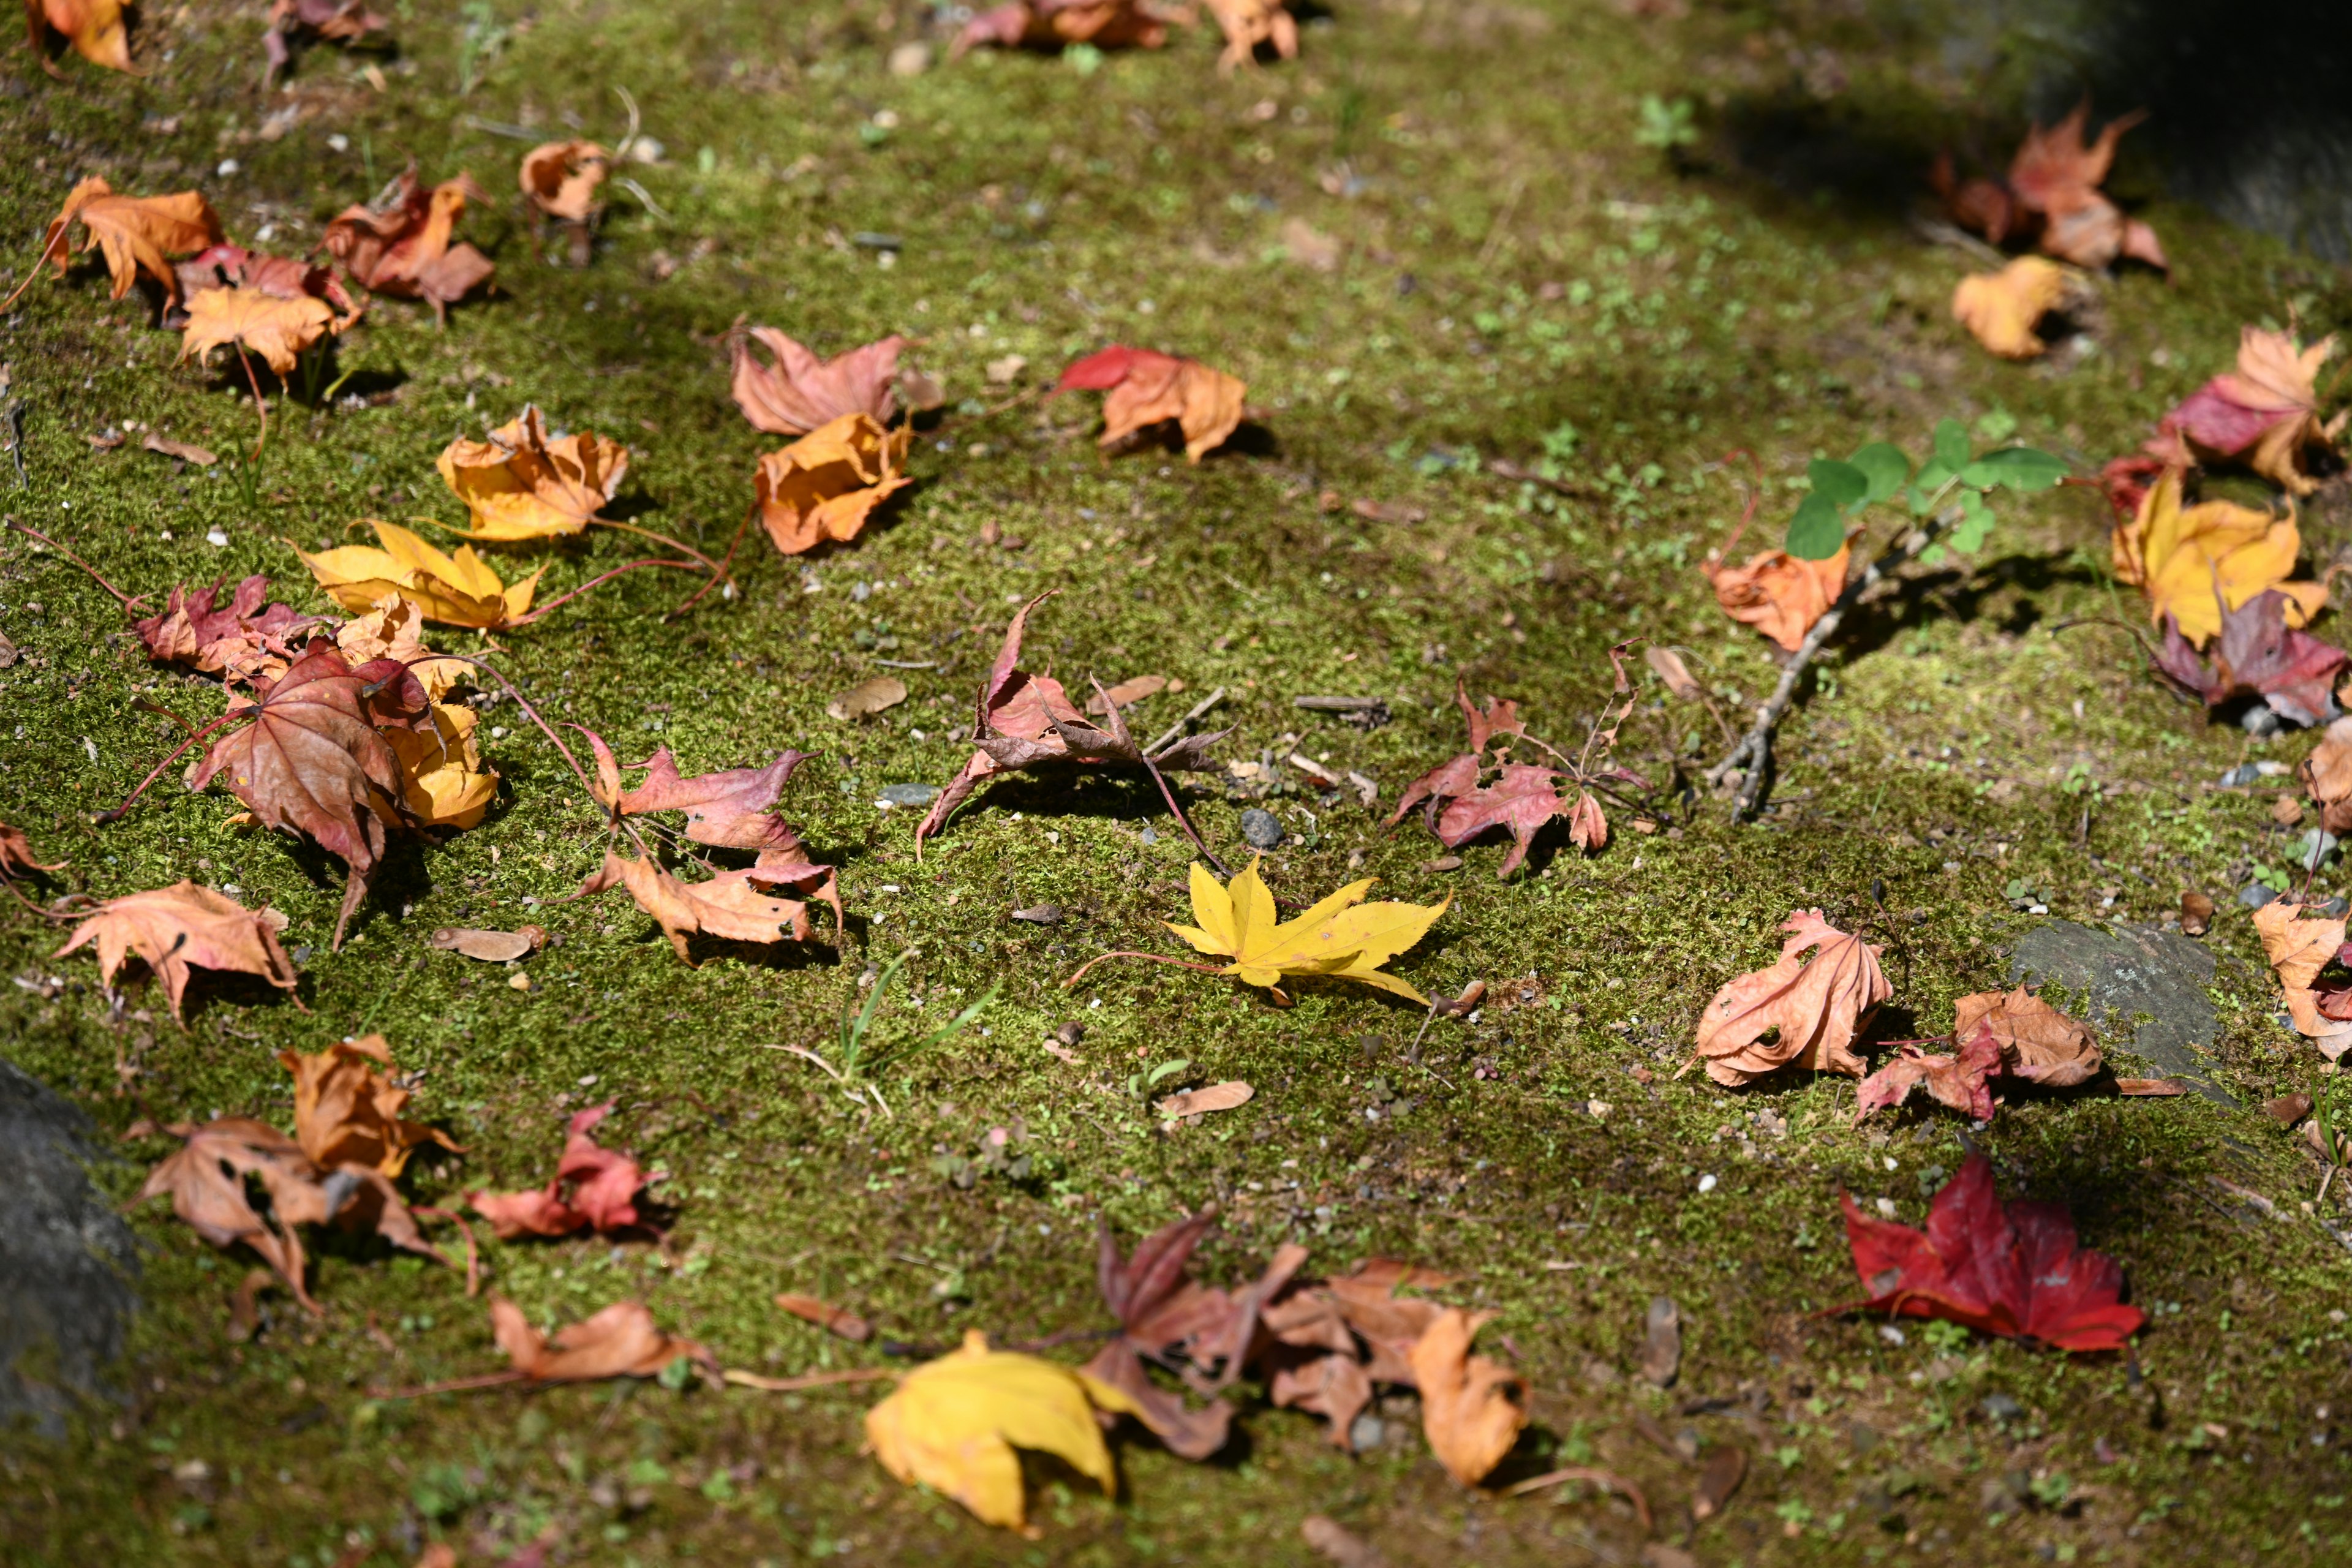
<point x="1450" y="780"/>
<point x="2012" y="1270"/>
<point x="1588" y="828"/>
<point x="602" y="1184"/>
<point x="1958" y="1081"/>
<point x="1522" y="798"/>
<point x="1105" y="368"/>
<point x="2258" y="654"/>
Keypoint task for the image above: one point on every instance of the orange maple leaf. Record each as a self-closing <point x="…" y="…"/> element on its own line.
<point x="826" y="485"/>
<point x="1148" y="388"/>
<point x="94" y="27"/>
<point x="135" y="234"/>
<point x="278" y="330"/>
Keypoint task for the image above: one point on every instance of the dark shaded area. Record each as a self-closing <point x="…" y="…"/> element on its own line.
<point x="67" y="1260"/>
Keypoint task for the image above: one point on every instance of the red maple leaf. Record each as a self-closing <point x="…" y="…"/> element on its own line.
<point x="2011" y="1270"/>
<point x="2258" y="654"/>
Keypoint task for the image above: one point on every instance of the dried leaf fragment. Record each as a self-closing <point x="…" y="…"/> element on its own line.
<point x="1958" y="1081"/>
<point x="16" y="854"/>
<point x="1778" y="594"/>
<point x="560" y="178"/>
<point x="831" y="1318"/>
<point x="2327" y="774"/>
<point x="1148" y="388"/>
<point x="1335" y="1541"/>
<point x="520" y="483"/>
<point x="2299" y="948"/>
<point x="94" y="27"/>
<point x="1662" y="1342"/>
<point x="873" y="695"/>
<point x="490" y="946"/>
<point x="184" y="927"/>
<point x="796" y="392"/>
<point x="1816" y="1008"/>
<point x="1216" y="1096"/>
<point x="2036" y="1040"/>
<point x="622" y="1341"/>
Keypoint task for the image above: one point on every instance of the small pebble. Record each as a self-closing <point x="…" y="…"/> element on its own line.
<point x="2242" y="774"/>
<point x="2002" y="1407"/>
<point x="1367" y="1432"/>
<point x="908" y="793"/>
<point x="2254" y="895"/>
<point x="1261" y="829"/>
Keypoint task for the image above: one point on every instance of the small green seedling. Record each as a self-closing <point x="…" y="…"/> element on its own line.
<point x="860" y="1060"/>
<point x="1955" y="475"/>
<point x="1668" y="126"/>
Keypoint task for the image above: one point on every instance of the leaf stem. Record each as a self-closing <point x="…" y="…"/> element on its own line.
<point x="597" y="581"/>
<point x="125" y="600"/>
<point x="1131" y="952"/>
<point x="742" y="1379"/>
<point x="260" y="404"/>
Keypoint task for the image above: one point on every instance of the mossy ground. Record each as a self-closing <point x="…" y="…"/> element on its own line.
<point x="1041" y="210"/>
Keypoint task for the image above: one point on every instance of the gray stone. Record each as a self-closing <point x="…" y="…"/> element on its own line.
<point x="2254" y="895"/>
<point x="909" y="794"/>
<point x="66" y="1261"/>
<point x="2132" y="970"/>
<point x="1261" y="828"/>
<point x="2002" y="1407"/>
<point x="1368" y="1431"/>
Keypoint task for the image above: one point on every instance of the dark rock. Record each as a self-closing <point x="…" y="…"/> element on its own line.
<point x="66" y="1261"/>
<point x="1261" y="829"/>
<point x="1999" y="1407"/>
<point x="909" y="794"/>
<point x="2243" y="774"/>
<point x="2254" y="895"/>
<point x="2134" y="970"/>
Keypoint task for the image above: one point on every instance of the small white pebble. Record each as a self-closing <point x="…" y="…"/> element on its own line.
<point x="215" y="537"/>
<point x="498" y="732"/>
<point x="227" y="166"/>
<point x="1596" y="1107"/>
<point x="587" y="1080"/>
<point x="1706" y="1182"/>
<point x="1886" y="1207"/>
<point x="1891" y="1334"/>
<point x="1893" y="1164"/>
<point x="339" y="143"/>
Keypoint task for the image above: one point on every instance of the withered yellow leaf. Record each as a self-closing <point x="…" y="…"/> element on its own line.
<point x="522" y="483"/>
<point x="1332" y="939"/>
<point x="442" y="779"/>
<point x="2000" y="309"/>
<point x="952" y="1425"/>
<point x="2195" y="561"/>
<point x="389" y="630"/>
<point x="826" y="484"/>
<point x="277" y="329"/>
<point x="457" y="590"/>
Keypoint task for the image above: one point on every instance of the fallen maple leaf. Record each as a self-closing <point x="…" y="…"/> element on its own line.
<point x="240" y="640"/>
<point x="2259" y="654"/>
<point x="182" y="928"/>
<point x="2057" y="176"/>
<point x="205" y="1180"/>
<point x="1050" y="24"/>
<point x="231" y="266"/>
<point x="592" y="1186"/>
<point x="1246" y="24"/>
<point x="442" y="780"/>
<point x="341" y="20"/>
<point x="16" y="856"/>
<point x="2000" y="309"/>
<point x="135" y="234"/>
<point x="1332" y="1340"/>
<point x="278" y="330"/>
<point x="1158" y="1310"/>
<point x="2299" y="948"/>
<point x="458" y="589"/>
<point x="560" y="178"/>
<point x="622" y="1341"/>
<point x="2196" y="564"/>
<point x="346" y="1113"/>
<point x="725" y="906"/>
<point x="1521" y="796"/>
<point x="1778" y="594"/>
<point x="1024" y="722"/>
<point x="403" y="247"/>
<point x="824" y="486"/>
<point x="2009" y="1269"/>
<point x="1817" y="1008"/>
<point x="519" y="483"/>
<point x="2037" y="1042"/>
<point x="798" y="392"/>
<point x="310" y="760"/>
<point x="389" y="631"/>
<point x="2327" y="774"/>
<point x="1148" y="388"/>
<point x="94" y="27"/>
<point x="952" y="1425"/>
<point x="731" y="809"/>
<point x="1472" y="1409"/>
<point x="1331" y="939"/>
<point x="2264" y="414"/>
<point x="1958" y="1081"/>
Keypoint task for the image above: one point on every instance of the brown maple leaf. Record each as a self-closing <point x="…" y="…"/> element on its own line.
<point x="206" y="1181"/>
<point x="2299" y="946"/>
<point x="1332" y="1340"/>
<point x="404" y="248"/>
<point x="341" y="20"/>
<point x="280" y="329"/>
<point x="346" y="1113"/>
<point x="2327" y="774"/>
<point x="1778" y="594"/>
<point x="1051" y="23"/>
<point x="560" y="178"/>
<point x="1958" y="1081"/>
<point x="731" y="809"/>
<point x="16" y="856"/>
<point x="2037" y="1041"/>
<point x="519" y="483"/>
<point x="1814" y="1009"/>
<point x="94" y="27"/>
<point x="183" y="927"/>
<point x="242" y="640"/>
<point x="619" y="1341"/>
<point x="136" y="235"/>
<point x="1148" y="388"/>
<point x="726" y="905"/>
<point x="592" y="1186"/>
<point x="309" y="760"/>
<point x="1472" y="1409"/>
<point x="231" y="266"/>
<point x="1024" y="722"/>
<point x="796" y="392"/>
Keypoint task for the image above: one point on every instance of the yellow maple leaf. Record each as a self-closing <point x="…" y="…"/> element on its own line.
<point x="2192" y="559"/>
<point x="457" y="590"/>
<point x="2000" y="309"/>
<point x="1332" y="939"/>
<point x="442" y="777"/>
<point x="953" y="1423"/>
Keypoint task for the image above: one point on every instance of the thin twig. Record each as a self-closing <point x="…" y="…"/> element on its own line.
<point x="125" y="600"/>
<point x="1597" y="1477"/>
<point x="1119" y="732"/>
<point x="742" y="1379"/>
<point x="1199" y="709"/>
<point x="719" y="574"/>
<point x="597" y="581"/>
<point x="1131" y="952"/>
<point x="454" y="1386"/>
<point x="260" y="404"/>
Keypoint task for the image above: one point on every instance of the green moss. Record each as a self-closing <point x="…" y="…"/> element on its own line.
<point x="1037" y="211"/>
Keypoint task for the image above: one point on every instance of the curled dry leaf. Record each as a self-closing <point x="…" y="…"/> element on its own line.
<point x="560" y="178"/>
<point x="390" y="631"/>
<point x="346" y="1113"/>
<point x="1216" y="1096"/>
<point x="1125" y="694"/>
<point x="344" y="21"/>
<point x="443" y="780"/>
<point x="2009" y="1269"/>
<point x="1958" y="1081"/>
<point x="2196" y="564"/>
<point x="1669" y="668"/>
<point x="94" y="27"/>
<point x="726" y="906"/>
<point x="831" y="1318"/>
<point x="404" y="248"/>
<point x="135" y="234"/>
<point x="1520" y="796"/>
<point x="1331" y="940"/>
<point x="1333" y="1339"/>
<point x="796" y="392"/>
<point x="2000" y="309"/>
<point x="2037" y="1042"/>
<point x="873" y="695"/>
<point x="240" y="641"/>
<point x="1778" y="594"/>
<point x="1246" y="24"/>
<point x="457" y="590"/>
<point x="825" y="485"/>
<point x="2264" y="414"/>
<point x="2327" y="774"/>
<point x="278" y="330"/>
<point x="2258" y="654"/>
<point x="592" y="1186"/>
<point x="1146" y="388"/>
<point x="1050" y="24"/>
<point x="231" y="266"/>
<point x="952" y="1425"/>
<point x="2299" y="948"/>
<point x="1814" y="1009"/>
<point x="310" y="760"/>
<point x="520" y="483"/>
<point x="730" y="810"/>
<point x="622" y="1341"/>
<point x="1024" y="722"/>
<point x="1472" y="1408"/>
<point x="490" y="946"/>
<point x="16" y="856"/>
<point x="183" y="927"/>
